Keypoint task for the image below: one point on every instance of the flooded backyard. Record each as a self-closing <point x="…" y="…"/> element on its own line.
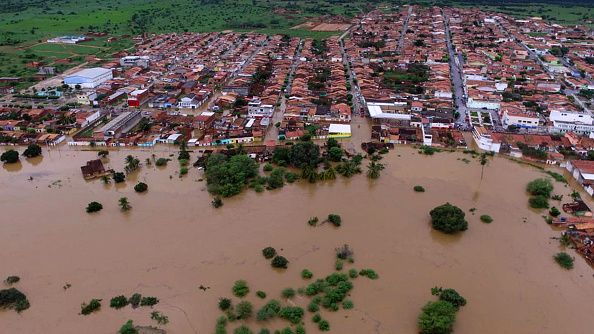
<point x="173" y="241"/>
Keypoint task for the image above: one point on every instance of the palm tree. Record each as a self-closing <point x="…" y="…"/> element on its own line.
<point x="129" y="159"/>
<point x="484" y="161"/>
<point x="374" y="170"/>
<point x="105" y="179"/>
<point x="124" y="204"/>
<point x="147" y="161"/>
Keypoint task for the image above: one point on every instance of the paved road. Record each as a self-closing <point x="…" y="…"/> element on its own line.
<point x="404" y="28"/>
<point x="456" y="62"/>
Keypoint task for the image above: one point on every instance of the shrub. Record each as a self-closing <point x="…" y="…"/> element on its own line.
<point x="335" y="219"/>
<point x="287" y="330"/>
<point x="370" y="273"/>
<point x="261" y="294"/>
<point x="128" y="328"/>
<point x="448" y="218"/>
<point x="279" y="262"/>
<point x="486" y="219"/>
<point x="288" y="293"/>
<point x="217" y="202"/>
<point x="183" y="171"/>
<point x="557" y="197"/>
<point x="291" y="177"/>
<point x="269" y="252"/>
<point x="299" y="329"/>
<point x="224" y="304"/>
<point x="293" y="314"/>
<point x="32" y="151"/>
<point x="306" y="273"/>
<point x="119" y="177"/>
<point x="540" y="187"/>
<point x="161" y="319"/>
<point x="437" y="317"/>
<point x="162" y="162"/>
<point x="93" y="306"/>
<point x="149" y="301"/>
<point x="10" y="156"/>
<point x="135" y="300"/>
<point x="264" y="331"/>
<point x="564" y="260"/>
<point x="419" y="189"/>
<point x="348" y="304"/>
<point x="324" y="326"/>
<point x="259" y="188"/>
<point x="554" y="212"/>
<point x="118" y="302"/>
<point x="343" y="252"/>
<point x="242" y="330"/>
<point x="12" y="279"/>
<point x="313" y="307"/>
<point x="353" y="273"/>
<point x="244" y="309"/>
<point x="316" y="318"/>
<point x="338" y="265"/>
<point x="539" y="202"/>
<point x="269" y="310"/>
<point x="268" y="168"/>
<point x="94" y="207"/>
<point x="183" y="162"/>
<point x="453" y="297"/>
<point x="140" y="187"/>
<point x="240" y="289"/>
<point x="13" y="299"/>
<point x="313" y="221"/>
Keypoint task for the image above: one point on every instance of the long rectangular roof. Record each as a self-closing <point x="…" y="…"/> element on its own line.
<point x="91" y="73"/>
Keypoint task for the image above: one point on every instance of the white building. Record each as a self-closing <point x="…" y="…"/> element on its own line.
<point x="519" y="118"/>
<point x="131" y="61"/>
<point x="384" y="110"/>
<point x="484" y="141"/>
<point x="339" y="131"/>
<point x="479" y="104"/>
<point x="89" y="78"/>
<point x="258" y="110"/>
<point x="583" y="172"/>
<point x="86" y="97"/>
<point x="575" y="121"/>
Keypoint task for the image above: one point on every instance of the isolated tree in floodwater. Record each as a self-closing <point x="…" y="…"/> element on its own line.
<point x="124" y="204"/>
<point x="484" y="161"/>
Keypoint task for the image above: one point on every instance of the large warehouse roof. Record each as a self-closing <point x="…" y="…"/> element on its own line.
<point x="91" y="73"/>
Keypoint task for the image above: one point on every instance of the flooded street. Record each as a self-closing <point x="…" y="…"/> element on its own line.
<point x="173" y="241"/>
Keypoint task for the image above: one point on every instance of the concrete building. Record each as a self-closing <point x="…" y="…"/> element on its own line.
<point x="119" y="125"/>
<point x="519" y="118"/>
<point x="339" y="131"/>
<point x="131" y="61"/>
<point x="484" y="140"/>
<point x="575" y="121"/>
<point x="258" y="110"/>
<point x="89" y="78"/>
<point x="583" y="172"/>
<point x="86" y="97"/>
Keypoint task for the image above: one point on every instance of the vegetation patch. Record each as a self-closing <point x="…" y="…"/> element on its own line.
<point x="448" y="218"/>
<point x="13" y="299"/>
<point x="269" y="252"/>
<point x="240" y="289"/>
<point x="91" y="307"/>
<point x="140" y="187"/>
<point x="94" y="207"/>
<point x="279" y="262"/>
<point x="419" y="189"/>
<point x="118" y="302"/>
<point x="564" y="260"/>
<point x="486" y="219"/>
<point x="438" y="317"/>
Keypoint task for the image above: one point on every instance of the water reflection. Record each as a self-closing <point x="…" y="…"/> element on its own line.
<point x="12" y="167"/>
<point x="35" y="161"/>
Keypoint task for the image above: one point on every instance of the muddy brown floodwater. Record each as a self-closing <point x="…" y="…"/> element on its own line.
<point x="173" y="241"/>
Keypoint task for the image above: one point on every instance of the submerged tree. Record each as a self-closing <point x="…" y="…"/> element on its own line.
<point x="124" y="204"/>
<point x="374" y="169"/>
<point x="484" y="161"/>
